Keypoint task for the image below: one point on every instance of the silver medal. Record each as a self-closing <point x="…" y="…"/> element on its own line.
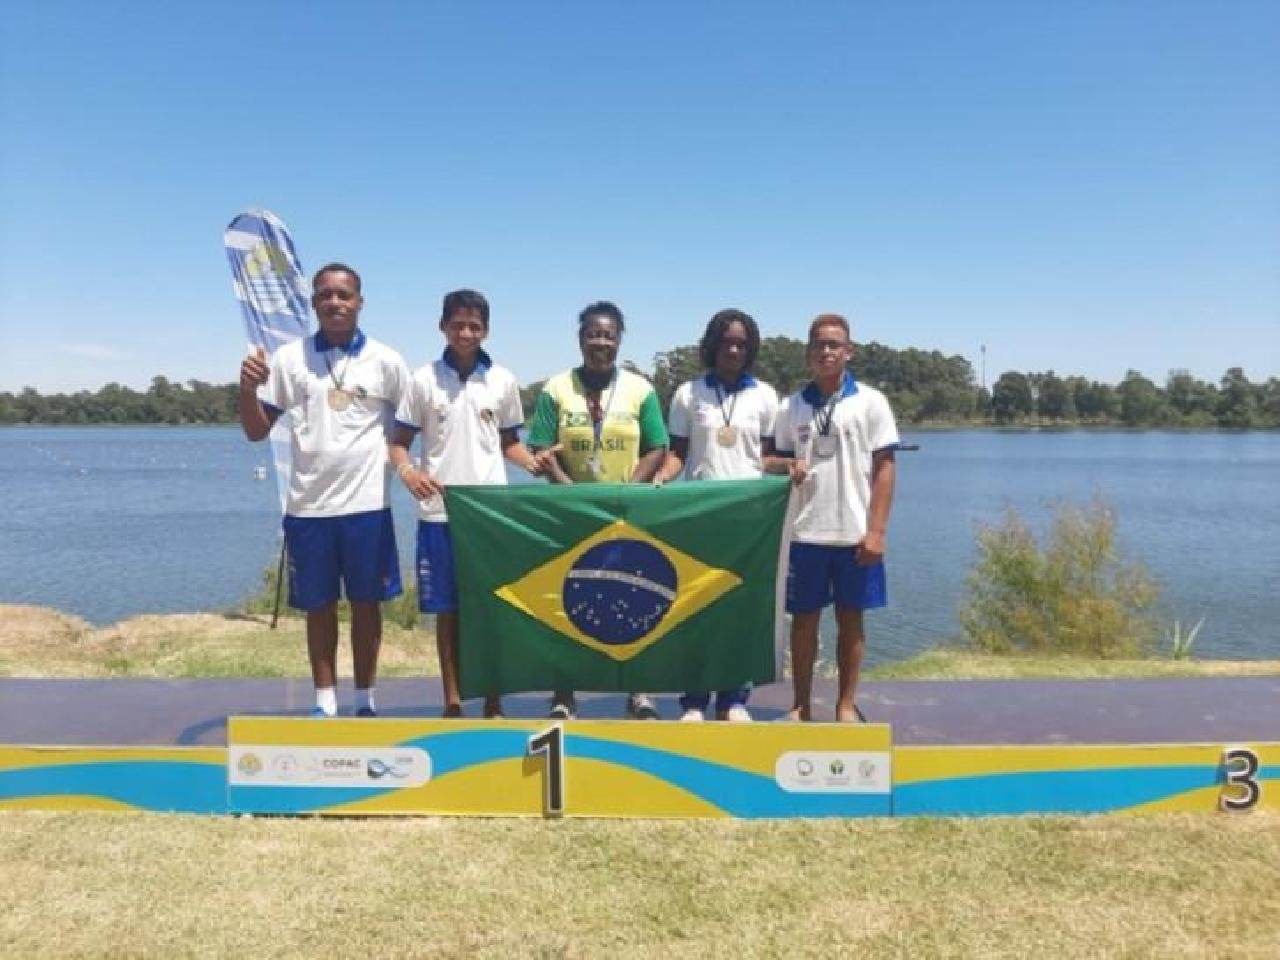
<point x="824" y="447"/>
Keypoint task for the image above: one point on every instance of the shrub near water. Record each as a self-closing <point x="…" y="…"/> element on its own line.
<point x="1072" y="595"/>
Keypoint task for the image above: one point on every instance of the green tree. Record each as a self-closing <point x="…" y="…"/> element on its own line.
<point x="1238" y="401"/>
<point x="1141" y="403"/>
<point x="1193" y="402"/>
<point x="1055" y="400"/>
<point x="1011" y="398"/>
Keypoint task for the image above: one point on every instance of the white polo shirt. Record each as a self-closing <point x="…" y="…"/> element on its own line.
<point x="460" y="423"/>
<point x="835" y="497"/>
<point x="701" y="408"/>
<point x="340" y="461"/>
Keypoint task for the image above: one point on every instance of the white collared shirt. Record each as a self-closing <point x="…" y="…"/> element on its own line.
<point x="460" y="424"/>
<point x="698" y="413"/>
<point x="835" y="497"/>
<point x="339" y="457"/>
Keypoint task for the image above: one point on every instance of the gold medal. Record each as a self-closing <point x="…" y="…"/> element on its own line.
<point x="727" y="436"/>
<point x="338" y="399"/>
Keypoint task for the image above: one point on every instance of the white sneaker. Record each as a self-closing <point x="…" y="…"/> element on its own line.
<point x="640" y="707"/>
<point x="560" y="710"/>
<point x="737" y="714"/>
<point x="692" y="716"/>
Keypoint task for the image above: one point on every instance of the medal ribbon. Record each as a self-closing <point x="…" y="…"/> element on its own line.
<point x="337" y="380"/>
<point x="728" y="417"/>
<point x="822" y="415"/>
<point x="594" y="407"/>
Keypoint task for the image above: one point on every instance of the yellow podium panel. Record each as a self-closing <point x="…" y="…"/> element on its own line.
<point x="587" y="768"/>
<point x="1078" y="779"/>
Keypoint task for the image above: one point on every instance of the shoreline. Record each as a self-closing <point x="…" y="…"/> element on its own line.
<point x="38" y="642"/>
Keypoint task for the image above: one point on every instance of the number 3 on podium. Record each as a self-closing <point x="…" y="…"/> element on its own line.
<point x="1241" y="790"/>
<point x="550" y="743"/>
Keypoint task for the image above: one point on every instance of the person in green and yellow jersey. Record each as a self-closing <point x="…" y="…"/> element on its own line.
<point x="597" y="423"/>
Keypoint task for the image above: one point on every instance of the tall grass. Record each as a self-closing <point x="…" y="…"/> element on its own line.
<point x="1072" y="594"/>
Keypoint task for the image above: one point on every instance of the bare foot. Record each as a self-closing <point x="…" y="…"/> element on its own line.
<point x="799" y="715"/>
<point x="849" y="714"/>
<point x="493" y="708"/>
<point x="453" y="711"/>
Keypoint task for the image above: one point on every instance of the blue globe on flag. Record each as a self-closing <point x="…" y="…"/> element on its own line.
<point x="619" y="590"/>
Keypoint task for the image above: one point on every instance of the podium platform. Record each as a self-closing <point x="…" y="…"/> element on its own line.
<point x="931" y="748"/>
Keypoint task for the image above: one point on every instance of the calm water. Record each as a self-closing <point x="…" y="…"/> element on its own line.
<point x="108" y="522"/>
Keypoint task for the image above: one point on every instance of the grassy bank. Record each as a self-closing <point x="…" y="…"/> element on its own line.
<point x="117" y="885"/>
<point x="38" y="642"/>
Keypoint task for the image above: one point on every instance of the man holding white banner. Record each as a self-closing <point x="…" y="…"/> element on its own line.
<point x="340" y="389"/>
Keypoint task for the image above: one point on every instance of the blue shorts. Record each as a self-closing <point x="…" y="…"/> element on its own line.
<point x="437" y="587"/>
<point x="357" y="550"/>
<point x="819" y="573"/>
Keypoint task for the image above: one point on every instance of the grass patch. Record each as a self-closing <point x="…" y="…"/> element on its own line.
<point x="117" y="885"/>
<point x="954" y="663"/>
<point x="36" y="642"/>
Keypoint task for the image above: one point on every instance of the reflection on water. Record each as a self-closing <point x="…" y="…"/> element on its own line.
<point x="107" y="522"/>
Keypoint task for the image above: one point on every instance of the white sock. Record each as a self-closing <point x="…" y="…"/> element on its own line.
<point x="364" y="699"/>
<point x="327" y="700"/>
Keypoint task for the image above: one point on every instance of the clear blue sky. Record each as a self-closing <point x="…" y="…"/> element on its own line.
<point x="1082" y="186"/>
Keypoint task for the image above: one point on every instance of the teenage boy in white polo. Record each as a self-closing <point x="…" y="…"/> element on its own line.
<point x="468" y="411"/>
<point x="721" y="427"/>
<point x="836" y="438"/>
<point x="341" y="389"/>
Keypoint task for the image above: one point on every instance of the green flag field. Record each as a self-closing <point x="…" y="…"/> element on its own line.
<point x="618" y="586"/>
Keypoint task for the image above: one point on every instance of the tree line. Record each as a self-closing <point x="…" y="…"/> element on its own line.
<point x="923" y="386"/>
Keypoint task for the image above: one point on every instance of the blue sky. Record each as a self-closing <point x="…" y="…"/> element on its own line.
<point x="1082" y="186"/>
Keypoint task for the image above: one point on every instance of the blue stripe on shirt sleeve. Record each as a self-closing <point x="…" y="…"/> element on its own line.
<point x="271" y="408"/>
<point x="408" y="426"/>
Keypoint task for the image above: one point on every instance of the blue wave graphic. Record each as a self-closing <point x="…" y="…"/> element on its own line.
<point x="739" y="793"/>
<point x="1097" y="790"/>
<point x="176" y="786"/>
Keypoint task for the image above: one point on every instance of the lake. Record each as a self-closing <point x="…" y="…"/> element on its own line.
<point x="108" y="522"/>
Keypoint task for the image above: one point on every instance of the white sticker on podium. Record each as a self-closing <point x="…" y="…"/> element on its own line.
<point x="374" y="767"/>
<point x="833" y="771"/>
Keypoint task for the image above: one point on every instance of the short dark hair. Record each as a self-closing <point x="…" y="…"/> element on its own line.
<point x="829" y="320"/>
<point x="601" y="308"/>
<point x="336" y="268"/>
<point x="465" y="300"/>
<point x="715" y="331"/>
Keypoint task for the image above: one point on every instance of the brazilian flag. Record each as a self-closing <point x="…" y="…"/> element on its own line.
<point x="618" y="586"/>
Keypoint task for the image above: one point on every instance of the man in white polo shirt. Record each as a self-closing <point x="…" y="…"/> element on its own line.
<point x="341" y="390"/>
<point x="468" y="411"/>
<point x="836" y="438"/>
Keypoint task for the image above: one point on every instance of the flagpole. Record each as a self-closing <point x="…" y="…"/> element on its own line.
<point x="275" y="611"/>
